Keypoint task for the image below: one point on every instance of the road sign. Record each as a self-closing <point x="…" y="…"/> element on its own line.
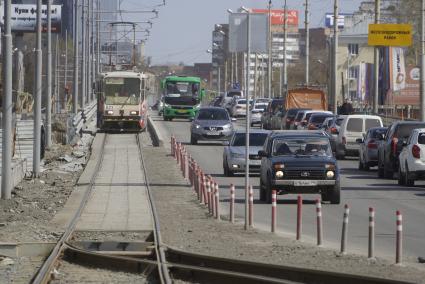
<point x="390" y="34"/>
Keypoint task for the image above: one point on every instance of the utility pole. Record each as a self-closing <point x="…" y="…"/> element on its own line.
<point x="6" y="168"/>
<point x="422" y="82"/>
<point x="88" y="56"/>
<point x="98" y="69"/>
<point x="75" y="83"/>
<point x="307" y="43"/>
<point x="93" y="58"/>
<point x="335" y="59"/>
<point x="248" y="59"/>
<point x="83" y="56"/>
<point x="376" y="62"/>
<point x="218" y="80"/>
<point x="49" y="76"/>
<point x="285" y="37"/>
<point x="255" y="75"/>
<point x="65" y="79"/>
<point x="37" y="96"/>
<point x="270" y="71"/>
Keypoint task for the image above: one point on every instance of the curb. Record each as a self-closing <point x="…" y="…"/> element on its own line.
<point x="157" y="138"/>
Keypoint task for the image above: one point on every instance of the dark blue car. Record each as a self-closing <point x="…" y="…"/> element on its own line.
<point x="299" y="162"/>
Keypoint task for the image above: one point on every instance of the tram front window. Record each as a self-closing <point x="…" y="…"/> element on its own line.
<point x="122" y="91"/>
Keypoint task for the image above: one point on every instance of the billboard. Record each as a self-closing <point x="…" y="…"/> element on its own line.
<point x="390" y="35"/>
<point x="277" y="16"/>
<point x="24" y="17"/>
<point x="238" y="32"/>
<point x="329" y="20"/>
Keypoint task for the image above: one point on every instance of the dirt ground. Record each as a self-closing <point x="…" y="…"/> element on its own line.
<point x="186" y="225"/>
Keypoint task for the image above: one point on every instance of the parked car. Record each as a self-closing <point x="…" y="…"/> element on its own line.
<point x="290" y="117"/>
<point x="228" y="96"/>
<point x="316" y="119"/>
<point x="299" y="162"/>
<point x="412" y="159"/>
<point x="307" y="114"/>
<point x="274" y="106"/>
<point x="369" y="144"/>
<point x="392" y="145"/>
<point x="239" y="107"/>
<point x="234" y="153"/>
<point x="211" y="123"/>
<point x="352" y="128"/>
<point x="256" y="113"/>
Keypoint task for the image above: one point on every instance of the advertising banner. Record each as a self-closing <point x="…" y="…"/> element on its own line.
<point x="397" y="69"/>
<point x="329" y="20"/>
<point x="24" y="17"/>
<point x="390" y="35"/>
<point x="361" y="82"/>
<point x="238" y="32"/>
<point x="277" y="16"/>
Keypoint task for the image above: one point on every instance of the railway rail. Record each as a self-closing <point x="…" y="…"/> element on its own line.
<point x="162" y="263"/>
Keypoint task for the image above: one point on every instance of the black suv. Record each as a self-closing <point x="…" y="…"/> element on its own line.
<point x="299" y="162"/>
<point x="390" y="148"/>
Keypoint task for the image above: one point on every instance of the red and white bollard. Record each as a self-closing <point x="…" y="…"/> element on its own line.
<point x="172" y="145"/>
<point x="274" y="211"/>
<point x="344" y="229"/>
<point x="299" y="216"/>
<point x="202" y="187"/>
<point x="186" y="166"/>
<point x="213" y="197"/>
<point x="319" y="222"/>
<point x="178" y="156"/>
<point x="209" y="194"/>
<point x="232" y="203"/>
<point x="371" y="242"/>
<point x="251" y="206"/>
<point x="217" y="202"/>
<point x="399" y="238"/>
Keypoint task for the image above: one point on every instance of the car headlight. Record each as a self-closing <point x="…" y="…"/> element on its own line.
<point x="197" y="126"/>
<point x="279" y="174"/>
<point x="330" y="174"/>
<point x="238" y="155"/>
<point x="227" y="126"/>
<point x="279" y="166"/>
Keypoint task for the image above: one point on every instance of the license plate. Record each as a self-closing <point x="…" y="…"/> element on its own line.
<point x="182" y="111"/>
<point x="213" y="133"/>
<point x="305" y="183"/>
<point x="255" y="162"/>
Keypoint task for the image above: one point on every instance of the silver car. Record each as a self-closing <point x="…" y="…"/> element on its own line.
<point x="256" y="113"/>
<point x="369" y="144"/>
<point x="212" y="124"/>
<point x="234" y="152"/>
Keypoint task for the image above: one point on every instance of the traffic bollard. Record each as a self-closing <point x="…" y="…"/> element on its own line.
<point x="371" y="243"/>
<point x="204" y="198"/>
<point x="399" y="238"/>
<point x="319" y="222"/>
<point x="232" y="203"/>
<point x="273" y="211"/>
<point x="217" y="202"/>
<point x="172" y="145"/>
<point x="251" y="206"/>
<point x="186" y="168"/>
<point x="178" y="153"/>
<point x="299" y="216"/>
<point x="208" y="194"/>
<point x="344" y="229"/>
<point x="212" y="198"/>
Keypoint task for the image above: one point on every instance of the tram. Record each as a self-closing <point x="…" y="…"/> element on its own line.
<point x="121" y="101"/>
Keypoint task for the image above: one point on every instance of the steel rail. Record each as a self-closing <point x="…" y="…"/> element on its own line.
<point x="163" y="271"/>
<point x="44" y="273"/>
<point x="266" y="273"/>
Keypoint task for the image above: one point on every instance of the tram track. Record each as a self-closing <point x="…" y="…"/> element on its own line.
<point x="162" y="263"/>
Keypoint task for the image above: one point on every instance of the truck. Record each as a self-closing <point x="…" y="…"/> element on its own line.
<point x="181" y="96"/>
<point x="306" y="98"/>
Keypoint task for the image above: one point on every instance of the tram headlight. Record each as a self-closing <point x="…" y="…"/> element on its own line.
<point x="109" y="112"/>
<point x="134" y="112"/>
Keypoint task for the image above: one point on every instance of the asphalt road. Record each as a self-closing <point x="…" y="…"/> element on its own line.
<point x="360" y="190"/>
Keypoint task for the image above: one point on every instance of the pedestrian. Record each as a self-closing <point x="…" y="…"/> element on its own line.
<point x="346" y="108"/>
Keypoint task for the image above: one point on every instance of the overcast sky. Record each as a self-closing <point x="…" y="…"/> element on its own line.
<point x="182" y="32"/>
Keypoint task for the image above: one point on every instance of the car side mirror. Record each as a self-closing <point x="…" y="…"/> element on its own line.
<point x="359" y="140"/>
<point x="262" y="153"/>
<point x="233" y="119"/>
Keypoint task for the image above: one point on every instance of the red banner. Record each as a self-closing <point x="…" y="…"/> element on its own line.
<point x="277" y="16"/>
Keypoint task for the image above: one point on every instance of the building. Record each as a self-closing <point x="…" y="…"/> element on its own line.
<point x="220" y="57"/>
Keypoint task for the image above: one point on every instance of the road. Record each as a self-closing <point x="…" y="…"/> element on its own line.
<point x="360" y="190"/>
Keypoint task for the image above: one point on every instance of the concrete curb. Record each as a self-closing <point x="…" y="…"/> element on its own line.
<point x="157" y="138"/>
<point x="96" y="148"/>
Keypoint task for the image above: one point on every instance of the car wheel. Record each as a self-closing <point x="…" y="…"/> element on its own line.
<point x="268" y="192"/>
<point x="262" y="191"/>
<point x="227" y="171"/>
<point x="380" y="170"/>
<point x="401" y="178"/>
<point x="409" y="181"/>
<point x="388" y="173"/>
<point x="366" y="166"/>
<point x="335" y="195"/>
<point x="361" y="167"/>
<point x="193" y="140"/>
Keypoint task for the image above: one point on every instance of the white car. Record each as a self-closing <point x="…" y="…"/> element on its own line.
<point x="239" y="107"/>
<point x="412" y="159"/>
<point x="257" y="112"/>
<point x="306" y="116"/>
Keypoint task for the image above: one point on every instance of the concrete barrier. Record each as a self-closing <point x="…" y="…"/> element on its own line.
<point x="157" y="138"/>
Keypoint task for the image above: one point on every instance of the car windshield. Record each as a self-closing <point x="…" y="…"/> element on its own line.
<point x="260" y="107"/>
<point x="304" y="146"/>
<point x="262" y="101"/>
<point x="241" y="102"/>
<point x="212" y="114"/>
<point x="292" y="113"/>
<point x="122" y="91"/>
<point x="255" y="139"/>
<point x="182" y="89"/>
<point x="299" y="116"/>
<point x="233" y="94"/>
<point x="377" y="133"/>
<point x="319" y="118"/>
<point x="405" y="130"/>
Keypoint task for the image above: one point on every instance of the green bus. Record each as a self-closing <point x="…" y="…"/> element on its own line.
<point x="182" y="96"/>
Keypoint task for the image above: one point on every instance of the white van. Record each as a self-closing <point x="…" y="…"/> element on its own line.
<point x="353" y="127"/>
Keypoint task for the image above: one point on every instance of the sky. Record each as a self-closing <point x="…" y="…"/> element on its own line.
<point x="183" y="30"/>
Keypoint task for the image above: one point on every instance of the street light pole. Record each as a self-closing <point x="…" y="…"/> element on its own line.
<point x="49" y="77"/>
<point x="270" y="71"/>
<point x="75" y="83"/>
<point x="335" y="59"/>
<point x="6" y="169"/>
<point x="307" y="43"/>
<point x="422" y="82"/>
<point x="37" y="96"/>
<point x="285" y="37"/>
<point x="83" y="55"/>
<point x="376" y="61"/>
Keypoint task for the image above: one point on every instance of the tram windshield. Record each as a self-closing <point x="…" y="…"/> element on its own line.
<point x="122" y="91"/>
